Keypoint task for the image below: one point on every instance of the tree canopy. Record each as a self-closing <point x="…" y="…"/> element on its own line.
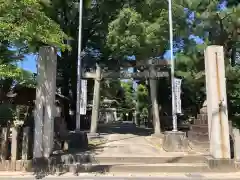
<point x="24" y="24"/>
<point x="142" y="29"/>
<point x="114" y="30"/>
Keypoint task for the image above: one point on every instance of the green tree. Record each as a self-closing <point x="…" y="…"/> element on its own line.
<point x="190" y="67"/>
<point x="142" y="102"/>
<point x="24" y="24"/>
<point x="96" y="16"/>
<point x="128" y="101"/>
<point x="233" y="87"/>
<point x="142" y="29"/>
<point x="111" y="89"/>
<point x="24" y="27"/>
<point x="215" y="25"/>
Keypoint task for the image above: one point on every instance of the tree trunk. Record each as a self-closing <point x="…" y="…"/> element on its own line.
<point x="65" y="88"/>
<point x="155" y="106"/>
<point x="96" y="100"/>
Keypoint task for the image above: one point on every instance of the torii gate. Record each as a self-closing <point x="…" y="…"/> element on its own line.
<point x="152" y="69"/>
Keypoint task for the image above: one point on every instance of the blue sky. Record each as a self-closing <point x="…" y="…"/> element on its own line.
<point x="29" y="62"/>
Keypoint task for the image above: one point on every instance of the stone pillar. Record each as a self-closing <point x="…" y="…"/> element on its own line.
<point x="4" y="143"/>
<point x="154" y="100"/>
<point x="45" y="102"/>
<point x="217" y="102"/>
<point x="14" y="148"/>
<point x="236" y="140"/>
<point x="50" y="109"/>
<point x="155" y="109"/>
<point x="25" y="143"/>
<point x="38" y="112"/>
<point x="96" y="100"/>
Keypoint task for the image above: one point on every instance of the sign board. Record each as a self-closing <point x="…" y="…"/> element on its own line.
<point x="177" y="89"/>
<point x="83" y="100"/>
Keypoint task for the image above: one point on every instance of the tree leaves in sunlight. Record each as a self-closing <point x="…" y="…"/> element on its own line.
<point x="24" y="22"/>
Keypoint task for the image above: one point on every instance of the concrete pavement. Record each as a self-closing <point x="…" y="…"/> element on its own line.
<point x="120" y="178"/>
<point x="132" y="149"/>
<point x="127" y="140"/>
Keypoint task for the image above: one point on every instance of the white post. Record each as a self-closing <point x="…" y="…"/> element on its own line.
<point x="79" y="67"/>
<point x="174" y="116"/>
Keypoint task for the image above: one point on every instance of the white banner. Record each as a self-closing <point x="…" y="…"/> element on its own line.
<point x="177" y="88"/>
<point x="83" y="101"/>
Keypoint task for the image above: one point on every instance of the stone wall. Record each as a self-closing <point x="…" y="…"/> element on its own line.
<point x="200" y="126"/>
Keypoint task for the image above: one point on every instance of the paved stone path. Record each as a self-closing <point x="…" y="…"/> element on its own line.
<point x="128" y="145"/>
<point x="127" y="140"/>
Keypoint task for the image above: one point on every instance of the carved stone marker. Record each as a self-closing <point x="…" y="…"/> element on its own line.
<point x="217" y="103"/>
<point x="45" y="102"/>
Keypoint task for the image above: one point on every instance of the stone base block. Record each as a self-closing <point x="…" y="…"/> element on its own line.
<point x="77" y="140"/>
<point x="221" y="164"/>
<point x="158" y="135"/>
<point x="93" y="136"/>
<point x="175" y="141"/>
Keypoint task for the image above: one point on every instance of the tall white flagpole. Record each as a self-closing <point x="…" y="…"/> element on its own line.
<point x="79" y="67"/>
<point x="174" y="116"/>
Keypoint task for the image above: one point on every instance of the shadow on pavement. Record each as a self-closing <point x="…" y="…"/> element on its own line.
<point x="124" y="128"/>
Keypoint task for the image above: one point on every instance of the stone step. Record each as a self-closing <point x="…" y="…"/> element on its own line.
<point x="201" y="119"/>
<point x="81" y="159"/>
<point x="152" y="160"/>
<point x="134" y="168"/>
<point x="124" y="167"/>
<point x="145" y="168"/>
<point x="199" y="136"/>
<point x="202" y="116"/>
<point x="200" y="122"/>
<point x="199" y="128"/>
